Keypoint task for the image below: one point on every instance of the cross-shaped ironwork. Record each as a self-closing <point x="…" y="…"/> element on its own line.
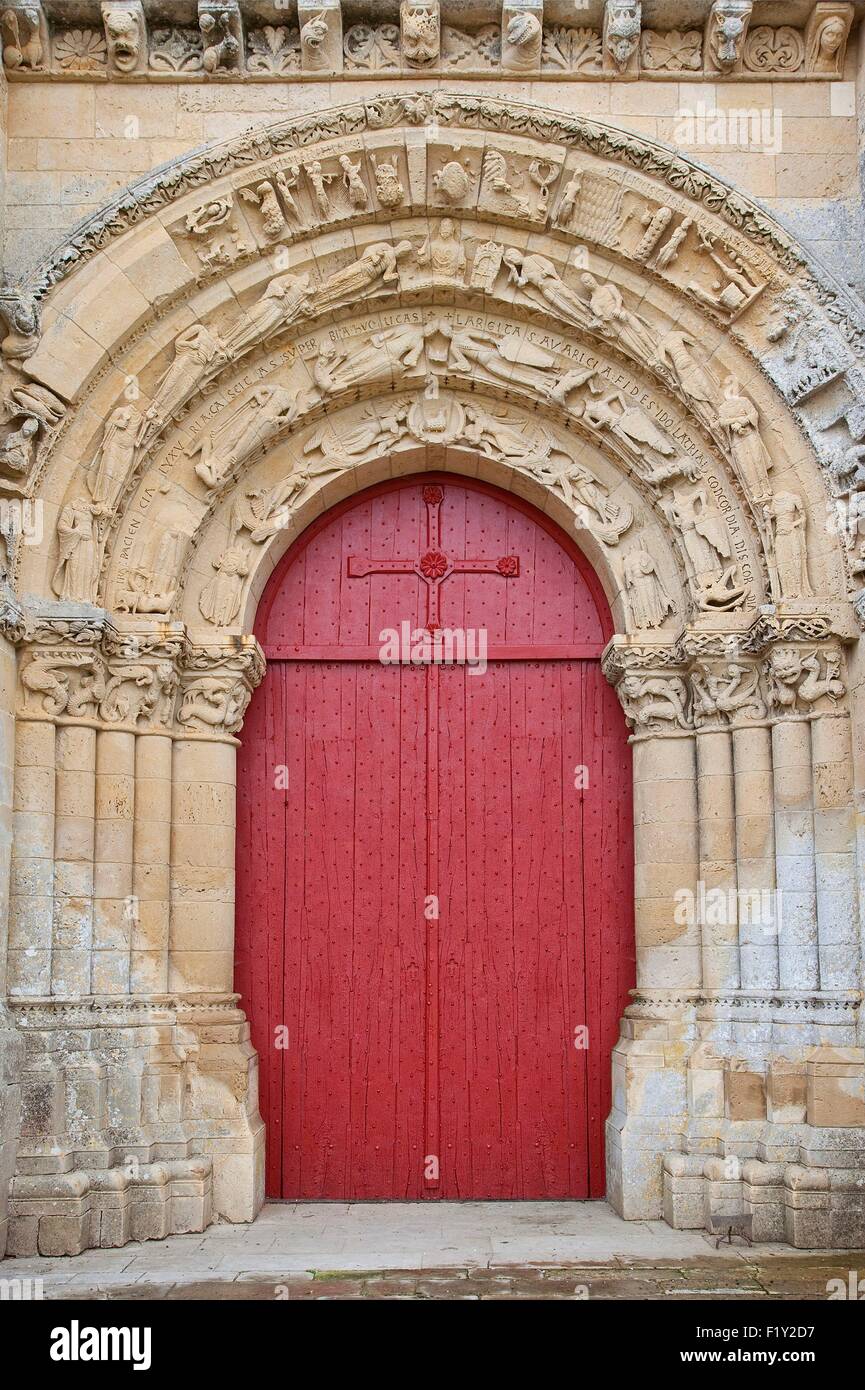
<point x="434" y="566"/>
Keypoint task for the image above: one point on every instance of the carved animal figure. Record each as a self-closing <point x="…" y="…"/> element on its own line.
<point x="21" y="49"/>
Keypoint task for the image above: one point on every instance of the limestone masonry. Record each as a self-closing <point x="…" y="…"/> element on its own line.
<point x="242" y="243"/>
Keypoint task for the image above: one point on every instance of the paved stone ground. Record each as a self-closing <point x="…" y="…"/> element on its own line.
<point x="439" y="1250"/>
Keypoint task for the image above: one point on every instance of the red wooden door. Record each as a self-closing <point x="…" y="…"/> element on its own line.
<point x="434" y="871"/>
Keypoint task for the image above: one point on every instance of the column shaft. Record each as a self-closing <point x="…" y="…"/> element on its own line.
<point x="835" y="844"/>
<point x="755" y="856"/>
<point x="32" y="875"/>
<point x="202" y="866"/>
<point x="74" y="841"/>
<point x="720" y="947"/>
<point x="151" y="871"/>
<point x="798" y="964"/>
<point x="113" y="905"/>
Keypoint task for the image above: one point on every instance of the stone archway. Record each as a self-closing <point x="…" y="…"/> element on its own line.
<point x="627" y="343"/>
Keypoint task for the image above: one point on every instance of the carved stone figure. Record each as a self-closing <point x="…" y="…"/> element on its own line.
<point x="319" y="181"/>
<point x="444" y="252"/>
<point x="313" y="42"/>
<point x="704" y="534"/>
<point x="20" y="313"/>
<point x="522" y="39"/>
<point x="388" y="188"/>
<point x="648" y="600"/>
<point x="499" y="177"/>
<point x="677" y="354"/>
<point x="18" y="450"/>
<point x="24" y="33"/>
<point x="485" y="266"/>
<point x="786" y="516"/>
<point x="537" y="274"/>
<point x="584" y="494"/>
<point x="614" y="321"/>
<point x="654" y="702"/>
<point x="508" y="360"/>
<point x="125" y="35"/>
<point x="801" y="678"/>
<point x="630" y="423"/>
<point x="272" y="217"/>
<point x="222" y="33"/>
<point x="355" y="188"/>
<point x="726" y="29"/>
<point x="214" y="702"/>
<point x="152" y="585"/>
<point x="420" y="27"/>
<point x="287" y="297"/>
<point x="219" y="600"/>
<point x="77" y="572"/>
<point x="261" y="417"/>
<point x="392" y="351"/>
<point x="113" y="463"/>
<point x="826" y="38"/>
<point x="195" y="350"/>
<point x="726" y="689"/>
<point x="738" y="414"/>
<point x="622" y="24"/>
<point x="378" y="263"/>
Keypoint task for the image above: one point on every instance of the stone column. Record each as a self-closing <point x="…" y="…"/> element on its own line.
<point x="31" y="900"/>
<point x="755" y="853"/>
<point x="74" y="839"/>
<point x="113" y="905"/>
<point x="798" y="963"/>
<point x="717" y="834"/>
<point x="835" y="849"/>
<point x="151" y="861"/>
<point x="201" y="947"/>
<point x="11" y="1042"/>
<point x="666" y="862"/>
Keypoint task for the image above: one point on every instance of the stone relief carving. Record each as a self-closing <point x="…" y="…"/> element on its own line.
<point x="671" y="52"/>
<point x="371" y="48"/>
<point x="247" y="430"/>
<point x="420" y="22"/>
<point x="77" y="573"/>
<point x="477" y="51"/>
<point x="176" y="50"/>
<point x="786" y="517"/>
<point x="320" y="37"/>
<point x="195" y="350"/>
<point x="219" y="600"/>
<point x="647" y="599"/>
<point x="388" y="187"/>
<point x="714" y="574"/>
<point x="273" y="49"/>
<point x="799" y="678"/>
<point x="568" y="50"/>
<point x="826" y="35"/>
<point x="774" y="50"/>
<point x="125" y="35"/>
<point x="726" y="31"/>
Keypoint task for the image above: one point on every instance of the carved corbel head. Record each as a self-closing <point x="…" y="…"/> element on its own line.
<point x="621" y="38"/>
<point x="726" y="31"/>
<point x="126" y="36"/>
<point x="22" y="319"/>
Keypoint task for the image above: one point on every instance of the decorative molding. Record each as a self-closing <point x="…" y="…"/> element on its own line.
<point x="246" y="41"/>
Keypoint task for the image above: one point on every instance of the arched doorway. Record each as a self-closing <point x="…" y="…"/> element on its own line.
<point x="434" y="926"/>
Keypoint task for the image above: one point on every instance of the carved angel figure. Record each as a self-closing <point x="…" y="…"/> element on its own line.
<point x="261" y="417"/>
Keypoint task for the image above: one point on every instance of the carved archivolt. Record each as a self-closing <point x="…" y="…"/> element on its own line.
<point x="357" y="286"/>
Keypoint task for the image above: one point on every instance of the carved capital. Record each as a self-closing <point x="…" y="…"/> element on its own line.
<point x="650" y="681"/>
<point x="216" y="686"/>
<point x="727" y="691"/>
<point x="805" y="679"/>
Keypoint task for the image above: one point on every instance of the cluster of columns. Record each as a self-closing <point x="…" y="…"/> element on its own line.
<point x="122" y="861"/>
<point x="748" y="814"/>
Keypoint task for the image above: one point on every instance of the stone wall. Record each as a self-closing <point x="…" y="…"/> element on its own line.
<point x="73" y="145"/>
<point x="627" y="343"/>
